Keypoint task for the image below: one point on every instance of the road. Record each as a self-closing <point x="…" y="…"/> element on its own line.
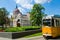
<point x="37" y="38"/>
<point x="33" y="38"/>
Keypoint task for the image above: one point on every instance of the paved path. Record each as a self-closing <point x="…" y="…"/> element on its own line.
<point x="33" y="38"/>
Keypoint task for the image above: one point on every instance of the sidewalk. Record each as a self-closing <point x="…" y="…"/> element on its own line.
<point x="1" y="38"/>
<point x="32" y="38"/>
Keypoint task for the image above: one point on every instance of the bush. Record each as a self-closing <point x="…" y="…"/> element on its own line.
<point x="14" y="29"/>
<point x="23" y="28"/>
<point x="31" y="27"/>
<point x="0" y="28"/>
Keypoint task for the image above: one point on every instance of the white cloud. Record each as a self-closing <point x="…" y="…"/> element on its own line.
<point x="28" y="6"/>
<point x="49" y="1"/>
<point x="10" y="15"/>
<point x="25" y="3"/>
<point x="42" y="1"/>
<point x="21" y="9"/>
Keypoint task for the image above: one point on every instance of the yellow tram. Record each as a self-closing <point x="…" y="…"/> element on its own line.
<point x="51" y="26"/>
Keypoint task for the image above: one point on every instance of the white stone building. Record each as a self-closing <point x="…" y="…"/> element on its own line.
<point x="19" y="19"/>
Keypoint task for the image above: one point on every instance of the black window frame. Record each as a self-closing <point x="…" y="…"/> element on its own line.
<point x="47" y="22"/>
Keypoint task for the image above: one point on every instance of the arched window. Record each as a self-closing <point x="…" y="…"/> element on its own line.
<point x="18" y="20"/>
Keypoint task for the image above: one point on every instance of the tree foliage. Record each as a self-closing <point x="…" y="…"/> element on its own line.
<point x="3" y="16"/>
<point x="36" y="14"/>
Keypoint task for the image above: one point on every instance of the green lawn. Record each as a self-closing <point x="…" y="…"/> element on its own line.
<point x="33" y="35"/>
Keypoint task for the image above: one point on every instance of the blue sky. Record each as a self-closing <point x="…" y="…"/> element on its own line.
<point x="51" y="6"/>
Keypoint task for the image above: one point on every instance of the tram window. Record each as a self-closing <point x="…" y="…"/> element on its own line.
<point x="57" y="23"/>
<point x="52" y="22"/>
<point x="46" y="22"/>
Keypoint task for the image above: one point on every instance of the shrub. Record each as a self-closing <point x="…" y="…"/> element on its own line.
<point x="0" y="28"/>
<point x="14" y="29"/>
<point x="22" y="28"/>
<point x="31" y="27"/>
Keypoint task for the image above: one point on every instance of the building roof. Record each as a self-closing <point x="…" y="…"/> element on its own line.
<point x="16" y="10"/>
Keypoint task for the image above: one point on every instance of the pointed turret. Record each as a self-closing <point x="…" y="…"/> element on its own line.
<point x="16" y="6"/>
<point x="16" y="11"/>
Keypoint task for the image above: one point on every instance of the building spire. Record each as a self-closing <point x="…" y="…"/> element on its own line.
<point x="16" y="6"/>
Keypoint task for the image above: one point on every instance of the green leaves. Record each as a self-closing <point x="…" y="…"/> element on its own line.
<point x="23" y="28"/>
<point x="36" y="14"/>
<point x="3" y="15"/>
<point x="14" y="29"/>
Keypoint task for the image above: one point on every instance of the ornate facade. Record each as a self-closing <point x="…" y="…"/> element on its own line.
<point x="20" y="19"/>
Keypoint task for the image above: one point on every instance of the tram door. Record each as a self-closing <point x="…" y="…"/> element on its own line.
<point x="57" y="27"/>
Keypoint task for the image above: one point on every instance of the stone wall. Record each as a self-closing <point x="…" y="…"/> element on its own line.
<point x="14" y="35"/>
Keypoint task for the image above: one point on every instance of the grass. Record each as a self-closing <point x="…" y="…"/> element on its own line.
<point x="0" y="28"/>
<point x="33" y="35"/>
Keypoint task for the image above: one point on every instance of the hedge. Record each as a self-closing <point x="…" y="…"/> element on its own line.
<point x="23" y="28"/>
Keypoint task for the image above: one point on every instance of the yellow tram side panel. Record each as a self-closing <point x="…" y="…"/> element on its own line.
<point x="50" y="30"/>
<point x="55" y="31"/>
<point x="46" y="30"/>
<point x="58" y="28"/>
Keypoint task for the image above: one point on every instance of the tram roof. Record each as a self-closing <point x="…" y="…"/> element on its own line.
<point x="50" y="16"/>
<point x="56" y="16"/>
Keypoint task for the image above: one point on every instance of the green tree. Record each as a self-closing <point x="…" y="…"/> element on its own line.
<point x="3" y="16"/>
<point x="36" y="14"/>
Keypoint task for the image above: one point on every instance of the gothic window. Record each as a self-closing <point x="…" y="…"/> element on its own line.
<point x="18" y="20"/>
